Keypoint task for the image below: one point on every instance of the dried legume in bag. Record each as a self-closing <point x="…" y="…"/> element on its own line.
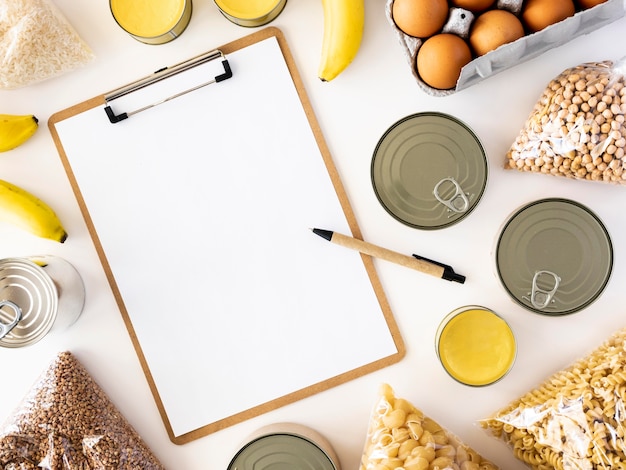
<point x="576" y="128"/>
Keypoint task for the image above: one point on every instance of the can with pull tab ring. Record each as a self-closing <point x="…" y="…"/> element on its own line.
<point x="38" y="295"/>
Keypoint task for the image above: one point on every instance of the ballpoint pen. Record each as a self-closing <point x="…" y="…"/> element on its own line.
<point x="416" y="262"/>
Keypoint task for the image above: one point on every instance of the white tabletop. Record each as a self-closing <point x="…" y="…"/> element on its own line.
<point x="354" y="111"/>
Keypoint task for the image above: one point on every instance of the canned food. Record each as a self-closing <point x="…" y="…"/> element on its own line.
<point x="37" y="295"/>
<point x="285" y="445"/>
<point x="251" y="14"/>
<point x="429" y="170"/>
<point x="475" y="345"/>
<point x="554" y="256"/>
<point x="152" y="21"/>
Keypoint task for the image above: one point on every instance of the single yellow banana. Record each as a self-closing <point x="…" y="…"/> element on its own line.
<point x="344" y="21"/>
<point x="22" y="209"/>
<point x="16" y="129"/>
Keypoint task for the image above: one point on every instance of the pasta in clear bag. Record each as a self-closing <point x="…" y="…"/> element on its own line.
<point x="36" y="43"/>
<point x="66" y="422"/>
<point x="574" y="420"/>
<point x="576" y="128"/>
<point x="401" y="437"/>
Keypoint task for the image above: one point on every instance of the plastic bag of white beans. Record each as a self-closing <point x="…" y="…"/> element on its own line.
<point x="576" y="128"/>
<point x="575" y="419"/>
<point x="66" y="422"/>
<point x="401" y="437"/>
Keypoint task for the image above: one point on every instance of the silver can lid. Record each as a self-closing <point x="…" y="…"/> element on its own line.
<point x="429" y="170"/>
<point x="554" y="256"/>
<point x="286" y="445"/>
<point x="29" y="287"/>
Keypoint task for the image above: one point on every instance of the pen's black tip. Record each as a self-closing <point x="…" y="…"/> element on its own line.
<point x="327" y="234"/>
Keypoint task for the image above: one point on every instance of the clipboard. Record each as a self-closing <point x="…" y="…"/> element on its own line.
<point x="199" y="202"/>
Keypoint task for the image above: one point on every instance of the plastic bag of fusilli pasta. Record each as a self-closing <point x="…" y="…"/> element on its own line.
<point x="400" y="436"/>
<point x="576" y="419"/>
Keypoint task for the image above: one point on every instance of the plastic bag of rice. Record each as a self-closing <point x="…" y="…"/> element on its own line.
<point x="36" y="43"/>
<point x="67" y="422"/>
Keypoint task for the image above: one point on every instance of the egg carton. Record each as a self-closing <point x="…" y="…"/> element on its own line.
<point x="512" y="53"/>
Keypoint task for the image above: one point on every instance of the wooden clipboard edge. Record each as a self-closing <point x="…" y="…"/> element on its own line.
<point x="348" y="212"/>
<point x="52" y="121"/>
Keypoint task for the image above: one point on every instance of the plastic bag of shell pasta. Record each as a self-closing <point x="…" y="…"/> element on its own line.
<point x="576" y="129"/>
<point x="400" y="436"/>
<point x="574" y="420"/>
<point x="66" y="422"/>
<point x="36" y="43"/>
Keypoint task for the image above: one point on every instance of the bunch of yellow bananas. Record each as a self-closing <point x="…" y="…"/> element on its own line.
<point x="344" y="21"/>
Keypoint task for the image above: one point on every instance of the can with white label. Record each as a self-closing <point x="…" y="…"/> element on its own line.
<point x="38" y="295"/>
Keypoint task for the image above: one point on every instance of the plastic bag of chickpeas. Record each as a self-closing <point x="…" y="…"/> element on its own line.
<point x="576" y="128"/>
<point x="400" y="436"/>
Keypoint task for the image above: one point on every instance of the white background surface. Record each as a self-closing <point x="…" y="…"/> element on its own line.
<point x="353" y="111"/>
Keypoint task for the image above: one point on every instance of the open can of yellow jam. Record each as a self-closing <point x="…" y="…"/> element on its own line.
<point x="475" y="345"/>
<point x="152" y="21"/>
<point x="285" y="445"/>
<point x="251" y="13"/>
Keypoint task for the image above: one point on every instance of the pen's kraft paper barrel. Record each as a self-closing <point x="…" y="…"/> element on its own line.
<point x="475" y="345"/>
<point x="251" y="13"/>
<point x="152" y="21"/>
<point x="285" y="445"/>
<point x="49" y="292"/>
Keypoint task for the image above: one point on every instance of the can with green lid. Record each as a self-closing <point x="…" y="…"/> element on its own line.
<point x="554" y="256"/>
<point x="285" y="445"/>
<point x="429" y="170"/>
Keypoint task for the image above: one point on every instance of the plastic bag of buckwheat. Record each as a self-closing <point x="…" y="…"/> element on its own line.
<point x="576" y="128"/>
<point x="66" y="422"/>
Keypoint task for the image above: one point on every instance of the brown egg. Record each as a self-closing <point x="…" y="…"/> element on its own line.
<point x="420" y="18"/>
<point x="441" y="58"/>
<point x="585" y="4"/>
<point x="475" y="6"/>
<point x="494" y="28"/>
<point x="538" y="14"/>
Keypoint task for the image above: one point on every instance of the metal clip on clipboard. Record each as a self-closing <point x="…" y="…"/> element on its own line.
<point x="162" y="74"/>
